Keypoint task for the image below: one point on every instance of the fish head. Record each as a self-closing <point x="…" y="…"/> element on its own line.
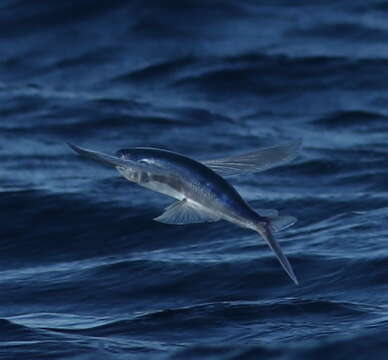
<point x="139" y="155"/>
<point x="128" y="154"/>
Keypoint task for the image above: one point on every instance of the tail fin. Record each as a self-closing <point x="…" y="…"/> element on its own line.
<point x="279" y="223"/>
<point x="265" y="231"/>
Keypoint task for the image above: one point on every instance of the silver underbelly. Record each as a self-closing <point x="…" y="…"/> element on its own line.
<point x="199" y="198"/>
<point x="146" y="181"/>
<point x="163" y="189"/>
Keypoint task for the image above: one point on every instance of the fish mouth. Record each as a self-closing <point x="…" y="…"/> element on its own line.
<point x="100" y="157"/>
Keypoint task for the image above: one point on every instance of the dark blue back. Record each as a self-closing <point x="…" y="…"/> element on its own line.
<point x="188" y="169"/>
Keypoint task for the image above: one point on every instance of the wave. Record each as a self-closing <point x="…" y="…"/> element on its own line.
<point x="211" y="316"/>
<point x="86" y="272"/>
<point x="349" y="31"/>
<point x="352" y="119"/>
<point x="358" y="346"/>
<point x="80" y="333"/>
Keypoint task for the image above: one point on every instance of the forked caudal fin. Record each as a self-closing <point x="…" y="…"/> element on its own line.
<point x="279" y="223"/>
<point x="265" y="231"/>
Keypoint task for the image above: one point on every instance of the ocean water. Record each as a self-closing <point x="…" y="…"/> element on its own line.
<point x="85" y="273"/>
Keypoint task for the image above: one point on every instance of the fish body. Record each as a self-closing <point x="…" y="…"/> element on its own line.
<point x="183" y="178"/>
<point x="202" y="194"/>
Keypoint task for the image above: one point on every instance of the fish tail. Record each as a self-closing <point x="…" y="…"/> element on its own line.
<point x="265" y="230"/>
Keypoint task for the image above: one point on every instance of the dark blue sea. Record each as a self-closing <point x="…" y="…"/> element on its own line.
<point x="85" y="272"/>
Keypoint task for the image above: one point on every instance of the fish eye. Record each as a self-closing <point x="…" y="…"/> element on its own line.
<point x="123" y="154"/>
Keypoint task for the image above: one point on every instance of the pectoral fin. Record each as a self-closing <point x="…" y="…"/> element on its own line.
<point x="183" y="212"/>
<point x="256" y="161"/>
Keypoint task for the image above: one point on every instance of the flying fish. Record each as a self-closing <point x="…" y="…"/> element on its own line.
<point x="201" y="191"/>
